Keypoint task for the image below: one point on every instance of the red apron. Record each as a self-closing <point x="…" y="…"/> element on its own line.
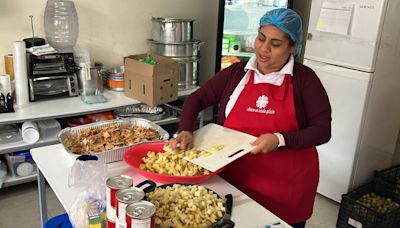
<point x="283" y="181"/>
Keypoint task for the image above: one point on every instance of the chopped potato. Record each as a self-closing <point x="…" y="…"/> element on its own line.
<point x="217" y="148"/>
<point x="173" y="164"/>
<point x="186" y="206"/>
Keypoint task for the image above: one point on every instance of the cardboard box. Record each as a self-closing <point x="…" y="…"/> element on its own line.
<point x="151" y="84"/>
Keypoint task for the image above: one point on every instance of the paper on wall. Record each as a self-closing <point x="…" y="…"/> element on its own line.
<point x="367" y="17"/>
<point x="335" y="17"/>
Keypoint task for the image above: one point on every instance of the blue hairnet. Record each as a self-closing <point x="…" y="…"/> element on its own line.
<point x="288" y="21"/>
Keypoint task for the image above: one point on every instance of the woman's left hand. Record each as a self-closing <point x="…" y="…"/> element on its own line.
<point x="265" y="143"/>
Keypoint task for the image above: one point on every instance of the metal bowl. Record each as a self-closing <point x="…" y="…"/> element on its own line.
<point x="116" y="71"/>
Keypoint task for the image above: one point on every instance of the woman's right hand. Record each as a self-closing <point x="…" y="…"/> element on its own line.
<point x="183" y="141"/>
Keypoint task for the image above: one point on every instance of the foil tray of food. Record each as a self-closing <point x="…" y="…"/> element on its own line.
<point x="152" y="113"/>
<point x="108" y="140"/>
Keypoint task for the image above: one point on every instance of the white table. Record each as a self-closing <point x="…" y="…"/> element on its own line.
<point x="54" y="165"/>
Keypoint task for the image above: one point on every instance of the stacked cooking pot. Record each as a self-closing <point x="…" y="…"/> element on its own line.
<point x="172" y="37"/>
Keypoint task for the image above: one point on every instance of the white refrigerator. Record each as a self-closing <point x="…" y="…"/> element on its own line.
<point x="354" y="47"/>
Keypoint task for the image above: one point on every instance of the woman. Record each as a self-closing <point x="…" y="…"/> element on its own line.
<point x="284" y="104"/>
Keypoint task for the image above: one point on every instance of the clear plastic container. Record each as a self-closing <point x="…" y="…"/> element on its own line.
<point x="21" y="163"/>
<point x="10" y="133"/>
<point x="3" y="172"/>
<point x="61" y="24"/>
<point x="92" y="97"/>
<point x="82" y="55"/>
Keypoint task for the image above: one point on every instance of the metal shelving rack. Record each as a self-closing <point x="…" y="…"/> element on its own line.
<point x="52" y="109"/>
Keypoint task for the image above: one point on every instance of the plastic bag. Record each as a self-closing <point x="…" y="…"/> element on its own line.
<point x="3" y="172"/>
<point x="89" y="207"/>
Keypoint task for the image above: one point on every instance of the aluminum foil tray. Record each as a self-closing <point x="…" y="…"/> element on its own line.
<point x="152" y="113"/>
<point x="114" y="154"/>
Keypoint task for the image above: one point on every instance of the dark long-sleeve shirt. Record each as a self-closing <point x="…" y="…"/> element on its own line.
<point x="313" y="111"/>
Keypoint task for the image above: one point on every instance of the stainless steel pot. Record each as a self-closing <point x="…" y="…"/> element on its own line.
<point x="90" y="79"/>
<point x="172" y="30"/>
<point x="184" y="49"/>
<point x="188" y="72"/>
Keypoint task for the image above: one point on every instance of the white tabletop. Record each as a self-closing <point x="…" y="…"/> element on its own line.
<point x="55" y="164"/>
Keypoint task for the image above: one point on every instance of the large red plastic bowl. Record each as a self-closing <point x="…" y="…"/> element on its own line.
<point x="133" y="157"/>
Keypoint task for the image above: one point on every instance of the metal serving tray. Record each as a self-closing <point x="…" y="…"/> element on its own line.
<point x="114" y="154"/>
<point x="152" y="113"/>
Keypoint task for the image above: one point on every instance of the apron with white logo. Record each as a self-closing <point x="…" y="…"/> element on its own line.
<point x="283" y="181"/>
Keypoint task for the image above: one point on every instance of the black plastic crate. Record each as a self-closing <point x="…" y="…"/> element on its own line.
<point x="354" y="214"/>
<point x="390" y="178"/>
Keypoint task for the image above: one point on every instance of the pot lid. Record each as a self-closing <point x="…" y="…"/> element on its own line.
<point x="198" y="42"/>
<point x="186" y="59"/>
<point x="162" y="19"/>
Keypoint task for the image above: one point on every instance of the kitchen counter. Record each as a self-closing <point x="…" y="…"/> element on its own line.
<point x="54" y="164"/>
<point x="68" y="106"/>
<point x="63" y="107"/>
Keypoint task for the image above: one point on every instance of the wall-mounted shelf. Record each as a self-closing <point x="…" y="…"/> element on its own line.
<point x="72" y="106"/>
<point x="64" y="107"/>
<point x="18" y="146"/>
<point x="14" y="180"/>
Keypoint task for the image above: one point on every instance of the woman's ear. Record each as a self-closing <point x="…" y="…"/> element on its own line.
<point x="293" y="49"/>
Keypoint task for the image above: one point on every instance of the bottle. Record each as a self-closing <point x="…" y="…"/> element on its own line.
<point x="3" y="105"/>
<point x="230" y="2"/>
<point x="30" y="132"/>
<point x="61" y="24"/>
<point x="10" y="103"/>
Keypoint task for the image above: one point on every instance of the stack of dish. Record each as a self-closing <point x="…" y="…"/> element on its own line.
<point x="172" y="37"/>
<point x="115" y="78"/>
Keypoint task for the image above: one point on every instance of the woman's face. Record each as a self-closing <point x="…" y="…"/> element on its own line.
<point x="272" y="49"/>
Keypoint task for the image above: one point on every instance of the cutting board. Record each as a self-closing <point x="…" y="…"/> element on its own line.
<point x="235" y="145"/>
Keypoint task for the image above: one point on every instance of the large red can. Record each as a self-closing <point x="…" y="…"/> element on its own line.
<point x="140" y="215"/>
<point x="125" y="197"/>
<point x="113" y="185"/>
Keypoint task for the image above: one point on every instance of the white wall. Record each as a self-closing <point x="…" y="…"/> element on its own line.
<point x="113" y="29"/>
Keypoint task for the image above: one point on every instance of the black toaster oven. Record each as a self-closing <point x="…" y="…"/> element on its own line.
<point x="52" y="76"/>
<point x="51" y="65"/>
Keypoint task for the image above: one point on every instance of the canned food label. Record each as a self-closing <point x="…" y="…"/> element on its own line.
<point x="110" y="210"/>
<point x="119" y="225"/>
<point x="122" y="213"/>
<point x="141" y="223"/>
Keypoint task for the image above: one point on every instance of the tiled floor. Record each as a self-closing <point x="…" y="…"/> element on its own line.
<point x="325" y="213"/>
<point x="19" y="208"/>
